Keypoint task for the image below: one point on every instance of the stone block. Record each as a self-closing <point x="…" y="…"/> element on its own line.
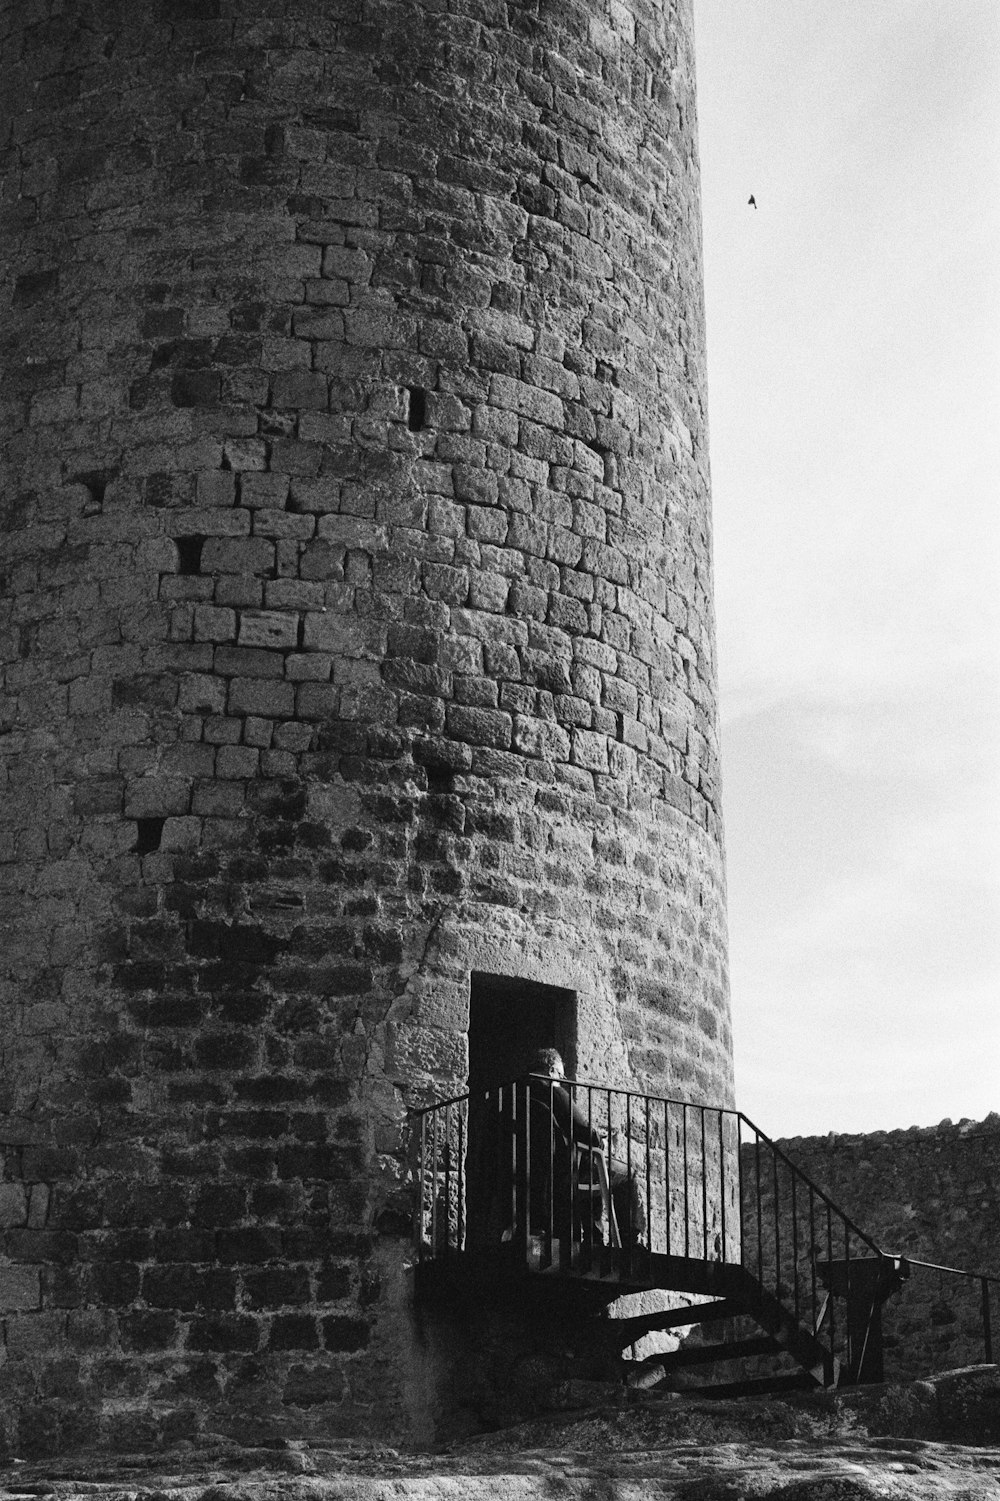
<point x="20" y="1288"/>
<point x="310" y="1386"/>
<point x="216" y="488"/>
<point x="202" y="694"/>
<point x="214" y="624"/>
<point x="258" y="732"/>
<point x="264" y="491"/>
<point x="237" y="555"/>
<point x="302" y="389"/>
<point x="91" y="1328"/>
<point x="38" y="1204"/>
<point x="267" y="628"/>
<point x="13" y="1206"/>
<point x="181" y="834"/>
<point x="344" y="635"/>
<point x="374" y="328"/>
<point x="479" y="726"/>
<point x="218" y="800"/>
<point x="156" y="797"/>
<point x="233" y="1333"/>
<point x="527" y="400"/>
<point x="317" y="700"/>
<point x="249" y="662"/>
<point x="220" y="730"/>
<point x="294" y="1332"/>
<point x="237" y="761"/>
<point x="539" y="737"/>
<point x="590" y="750"/>
<point x="345" y="1334"/>
<point x="283" y="524"/>
<point x="446" y="583"/>
<point x="347" y="262"/>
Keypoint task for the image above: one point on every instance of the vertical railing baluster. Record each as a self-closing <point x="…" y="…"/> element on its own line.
<point x="522" y="1107"/>
<point x="627" y="1231"/>
<point x="666" y="1177"/>
<point x="777" y="1222"/>
<point x="608" y="1165"/>
<point x="812" y="1253"/>
<point x="574" y="1175"/>
<point x="795" y="1251"/>
<point x="434" y="1189"/>
<point x="683" y="1147"/>
<point x="550" y="1241"/>
<point x="590" y="1174"/>
<point x="508" y="1146"/>
<point x="422" y="1181"/>
<point x="987" y="1324"/>
<point x="740" y="1213"/>
<point x="849" y="1302"/>
<point x="462" y="1108"/>
<point x="722" y="1186"/>
<point x="704" y="1190"/>
<point x="760" y="1208"/>
<point x="447" y="1178"/>
<point x="649" y="1179"/>
<point x="831" y="1301"/>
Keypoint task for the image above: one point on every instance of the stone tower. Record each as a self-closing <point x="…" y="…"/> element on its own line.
<point x="357" y="653"/>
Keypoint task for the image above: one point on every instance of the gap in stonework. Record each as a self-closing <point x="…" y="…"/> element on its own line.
<point x="150" y="832"/>
<point x="416" y="412"/>
<point x="189" y="554"/>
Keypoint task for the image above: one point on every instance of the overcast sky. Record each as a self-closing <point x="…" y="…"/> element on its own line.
<point x="854" y="399"/>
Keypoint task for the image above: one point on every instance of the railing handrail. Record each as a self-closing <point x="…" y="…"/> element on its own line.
<point x="636" y="1094"/>
<point x="814" y="1187"/>
<point x="416" y="1111"/>
<point x="656" y="1099"/>
<point x="954" y="1271"/>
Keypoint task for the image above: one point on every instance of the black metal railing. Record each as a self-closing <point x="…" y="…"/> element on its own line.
<point x="802" y="1248"/>
<point x="574" y="1177"/>
<point x="525" y="1165"/>
<point x="522" y="1169"/>
<point x="978" y="1310"/>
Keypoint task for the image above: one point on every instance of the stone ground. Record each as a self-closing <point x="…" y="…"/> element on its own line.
<point x="929" y="1439"/>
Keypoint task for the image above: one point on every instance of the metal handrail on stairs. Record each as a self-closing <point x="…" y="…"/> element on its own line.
<point x="987" y="1281"/>
<point x="514" y="1171"/>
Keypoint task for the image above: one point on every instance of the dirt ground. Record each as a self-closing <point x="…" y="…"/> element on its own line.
<point x="928" y="1440"/>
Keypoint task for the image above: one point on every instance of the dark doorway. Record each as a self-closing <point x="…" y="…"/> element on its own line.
<point x="509" y="1019"/>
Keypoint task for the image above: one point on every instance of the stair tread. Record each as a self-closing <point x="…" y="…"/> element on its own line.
<point x="632" y="1329"/>
<point x="734" y="1349"/>
<point x="613" y="1274"/>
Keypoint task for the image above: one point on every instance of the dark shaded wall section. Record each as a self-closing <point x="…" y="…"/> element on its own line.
<point x="356" y="634"/>
<point x="932" y="1194"/>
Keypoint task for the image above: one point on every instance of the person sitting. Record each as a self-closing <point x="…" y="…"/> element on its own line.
<point x="572" y="1159"/>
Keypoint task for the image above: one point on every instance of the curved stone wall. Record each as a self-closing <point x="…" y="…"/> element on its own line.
<point x="356" y="635"/>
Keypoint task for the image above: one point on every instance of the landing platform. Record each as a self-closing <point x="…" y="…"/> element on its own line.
<point x="606" y="1273"/>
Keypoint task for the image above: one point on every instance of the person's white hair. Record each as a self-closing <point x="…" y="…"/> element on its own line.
<point x="548" y="1061"/>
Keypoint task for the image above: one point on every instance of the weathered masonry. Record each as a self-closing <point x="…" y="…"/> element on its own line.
<point x="356" y="632"/>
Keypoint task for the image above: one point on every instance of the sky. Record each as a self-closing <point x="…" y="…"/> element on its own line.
<point x="854" y="403"/>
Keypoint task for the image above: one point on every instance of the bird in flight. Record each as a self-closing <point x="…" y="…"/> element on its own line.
<point x="751" y="201"/>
